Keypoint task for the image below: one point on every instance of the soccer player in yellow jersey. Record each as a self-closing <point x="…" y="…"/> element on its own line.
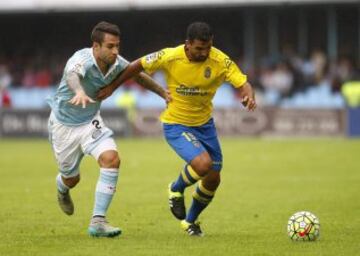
<point x="194" y="72"/>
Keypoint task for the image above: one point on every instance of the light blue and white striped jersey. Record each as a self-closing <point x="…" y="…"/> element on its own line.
<point x="83" y="63"/>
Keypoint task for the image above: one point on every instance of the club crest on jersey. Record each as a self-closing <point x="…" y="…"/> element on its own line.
<point x="228" y="63"/>
<point x="207" y="72"/>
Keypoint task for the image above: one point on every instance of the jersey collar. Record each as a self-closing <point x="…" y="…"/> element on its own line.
<point x="111" y="69"/>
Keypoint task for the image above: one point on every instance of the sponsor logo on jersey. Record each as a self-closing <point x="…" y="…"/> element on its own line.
<point x="228" y="62"/>
<point x="190" y="91"/>
<point x="154" y="57"/>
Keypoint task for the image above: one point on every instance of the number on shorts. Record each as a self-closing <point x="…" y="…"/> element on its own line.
<point x="96" y="123"/>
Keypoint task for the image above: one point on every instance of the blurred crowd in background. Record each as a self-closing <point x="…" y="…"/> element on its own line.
<point x="316" y="51"/>
<point x="288" y="74"/>
<point x="274" y="79"/>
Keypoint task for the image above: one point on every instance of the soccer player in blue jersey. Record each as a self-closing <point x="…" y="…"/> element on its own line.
<point x="76" y="127"/>
<point x="193" y="71"/>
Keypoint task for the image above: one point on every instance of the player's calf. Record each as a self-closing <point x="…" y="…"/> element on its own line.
<point x="211" y="181"/>
<point x="202" y="197"/>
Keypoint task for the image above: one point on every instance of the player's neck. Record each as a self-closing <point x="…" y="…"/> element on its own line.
<point x="104" y="67"/>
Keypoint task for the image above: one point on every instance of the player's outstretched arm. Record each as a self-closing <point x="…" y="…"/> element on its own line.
<point x="131" y="70"/>
<point x="147" y="82"/>
<point x="247" y="96"/>
<point x="80" y="97"/>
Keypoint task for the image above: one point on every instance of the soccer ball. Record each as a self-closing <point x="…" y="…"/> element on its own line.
<point x="303" y="226"/>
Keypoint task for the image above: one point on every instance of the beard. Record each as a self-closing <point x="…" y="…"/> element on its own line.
<point x="200" y="58"/>
<point x="110" y="61"/>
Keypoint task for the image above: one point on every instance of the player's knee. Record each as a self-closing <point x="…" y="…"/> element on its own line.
<point x="202" y="166"/>
<point x="206" y="165"/>
<point x="71" y="181"/>
<point x="109" y="159"/>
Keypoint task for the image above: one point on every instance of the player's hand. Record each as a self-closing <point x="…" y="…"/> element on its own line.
<point x="247" y="97"/>
<point x="167" y="97"/>
<point x="105" y="92"/>
<point x="249" y="103"/>
<point x="82" y="99"/>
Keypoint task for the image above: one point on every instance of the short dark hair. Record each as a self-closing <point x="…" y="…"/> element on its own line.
<point x="200" y="31"/>
<point x="103" y="27"/>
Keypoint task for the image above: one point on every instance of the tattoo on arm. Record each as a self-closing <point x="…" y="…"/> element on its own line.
<point x="147" y="82"/>
<point x="73" y="81"/>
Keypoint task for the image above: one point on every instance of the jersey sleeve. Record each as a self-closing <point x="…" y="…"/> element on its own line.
<point x="78" y="64"/>
<point x="233" y="74"/>
<point x="154" y="61"/>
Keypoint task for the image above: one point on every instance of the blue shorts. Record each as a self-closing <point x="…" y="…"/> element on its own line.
<point x="189" y="142"/>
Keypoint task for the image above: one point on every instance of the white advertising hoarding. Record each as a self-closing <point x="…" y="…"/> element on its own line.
<point x="71" y="5"/>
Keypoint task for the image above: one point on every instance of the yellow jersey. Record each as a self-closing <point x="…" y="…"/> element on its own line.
<point x="192" y="84"/>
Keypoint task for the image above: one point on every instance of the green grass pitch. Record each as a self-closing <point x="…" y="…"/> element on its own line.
<point x="264" y="181"/>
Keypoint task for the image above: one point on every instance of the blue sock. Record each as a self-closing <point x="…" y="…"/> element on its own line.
<point x="105" y="190"/>
<point x="60" y="184"/>
<point x="201" y="199"/>
<point x="196" y="208"/>
<point x="186" y="178"/>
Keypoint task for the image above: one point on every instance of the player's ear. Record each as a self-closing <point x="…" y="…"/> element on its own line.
<point x="96" y="45"/>
<point x="211" y="41"/>
<point x="187" y="43"/>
